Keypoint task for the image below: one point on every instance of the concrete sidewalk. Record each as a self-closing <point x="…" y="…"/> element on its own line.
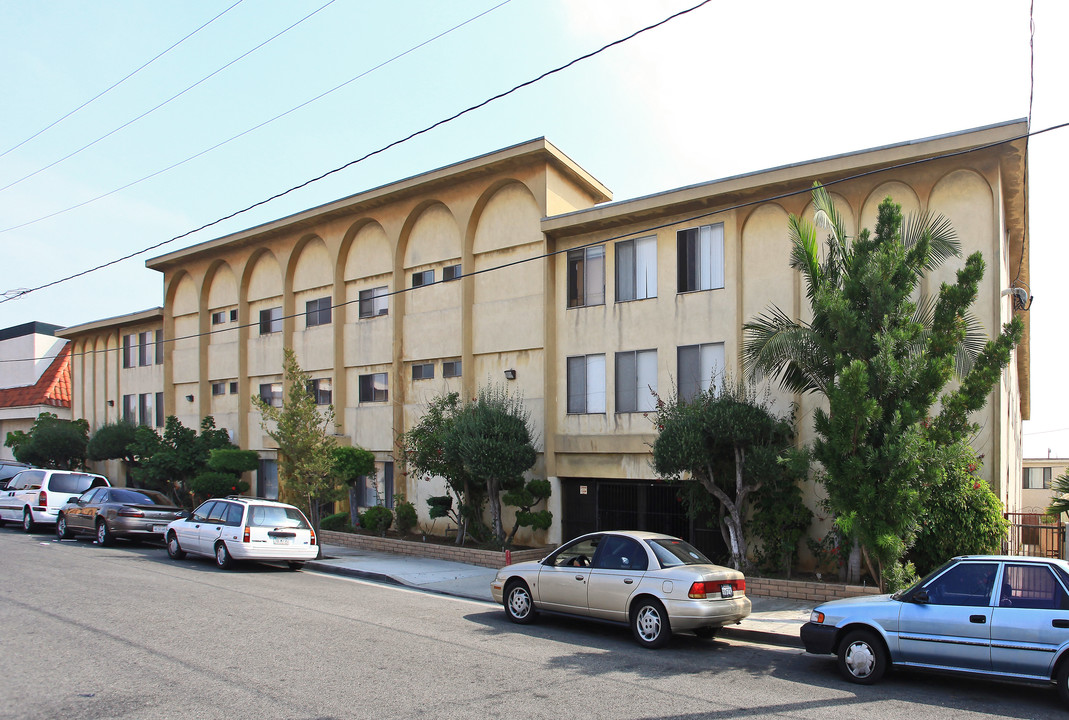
<point x="772" y="620"/>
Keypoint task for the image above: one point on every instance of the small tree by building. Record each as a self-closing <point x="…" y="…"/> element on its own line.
<point x="171" y="462"/>
<point x="351" y="464"/>
<point x="305" y="444"/>
<point x="112" y="441"/>
<point x="728" y="442"/>
<point x="51" y="443"/>
<point x="223" y="475"/>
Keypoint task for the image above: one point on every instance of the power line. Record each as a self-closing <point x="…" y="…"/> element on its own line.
<point x="168" y="100"/>
<point x="22" y="292"/>
<point x="632" y="233"/>
<point x="257" y="127"/>
<point x="111" y="87"/>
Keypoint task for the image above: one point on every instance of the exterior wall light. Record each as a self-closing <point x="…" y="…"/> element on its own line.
<point x="111" y="403"/>
<point x="189" y="398"/>
<point x="510" y="374"/>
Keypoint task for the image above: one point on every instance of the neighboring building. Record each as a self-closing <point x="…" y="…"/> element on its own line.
<point x="35" y="377"/>
<point x="118" y="371"/>
<point x="509" y="268"/>
<point x="1037" y="474"/>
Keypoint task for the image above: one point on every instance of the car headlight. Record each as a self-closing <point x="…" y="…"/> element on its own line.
<point x="816" y="617"/>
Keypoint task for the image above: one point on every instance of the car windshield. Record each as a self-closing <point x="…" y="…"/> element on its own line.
<point x="673" y="553"/>
<point x="274" y="516"/>
<point x="74" y="483"/>
<point x="922" y="582"/>
<point x="139" y="497"/>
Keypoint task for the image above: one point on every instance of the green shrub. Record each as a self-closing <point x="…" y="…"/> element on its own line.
<point x="217" y="484"/>
<point x="338" y="522"/>
<point x="404" y="513"/>
<point x="377" y="519"/>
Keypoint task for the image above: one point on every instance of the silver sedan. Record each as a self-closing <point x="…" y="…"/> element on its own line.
<point x="1001" y="617"/>
<point x="654" y="583"/>
<point x="110" y="512"/>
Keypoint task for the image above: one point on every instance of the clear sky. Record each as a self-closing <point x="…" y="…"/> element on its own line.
<point x="729" y="88"/>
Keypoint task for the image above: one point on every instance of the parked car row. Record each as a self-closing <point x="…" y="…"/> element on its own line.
<point x="226" y="529"/>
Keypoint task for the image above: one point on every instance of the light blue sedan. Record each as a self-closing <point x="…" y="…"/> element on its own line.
<point x="996" y="616"/>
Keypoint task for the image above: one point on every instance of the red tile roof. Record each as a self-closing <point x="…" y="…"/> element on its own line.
<point x="54" y="387"/>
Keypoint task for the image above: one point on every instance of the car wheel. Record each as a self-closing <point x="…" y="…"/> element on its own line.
<point x="28" y="525"/>
<point x="104" y="536"/>
<point x="222" y="556"/>
<point x="174" y="550"/>
<point x="519" y="605"/>
<point x="295" y="566"/>
<point x="1063" y="681"/>
<point x="649" y="623"/>
<point x="862" y="658"/>
<point x="62" y="531"/>
<point x="706" y="633"/>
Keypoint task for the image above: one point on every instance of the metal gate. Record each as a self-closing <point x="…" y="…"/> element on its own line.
<point x="1035" y="534"/>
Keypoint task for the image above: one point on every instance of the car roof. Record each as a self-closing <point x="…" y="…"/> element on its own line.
<point x="252" y="501"/>
<point x="635" y="534"/>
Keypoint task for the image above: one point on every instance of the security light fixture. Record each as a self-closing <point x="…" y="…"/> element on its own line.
<point x="189" y="398"/>
<point x="510" y="374"/>
<point x="1021" y="299"/>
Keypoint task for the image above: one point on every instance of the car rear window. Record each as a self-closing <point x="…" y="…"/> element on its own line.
<point x="672" y="553"/>
<point x="274" y="516"/>
<point x="139" y="497"/>
<point x="74" y="483"/>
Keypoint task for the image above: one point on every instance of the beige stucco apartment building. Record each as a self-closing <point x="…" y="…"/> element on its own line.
<point x="514" y="268"/>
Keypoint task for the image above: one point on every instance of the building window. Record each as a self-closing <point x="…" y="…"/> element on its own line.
<point x="423" y="278"/>
<point x="234" y="315"/>
<point x="636" y="269"/>
<point x="451" y="368"/>
<point x="129" y="345"/>
<point x="271" y="321"/>
<point x="423" y="371"/>
<point x="1037" y="478"/>
<point x="144" y="357"/>
<point x="267" y="479"/>
<point x="700" y="367"/>
<point x="219" y="388"/>
<point x="374" y="302"/>
<point x="375" y="490"/>
<point x="374" y="388"/>
<point x="321" y="390"/>
<point x="218" y="318"/>
<point x="233" y="388"/>
<point x="586" y="384"/>
<point x="636" y="381"/>
<point x="129" y="409"/>
<point x="701" y="258"/>
<point x="586" y="276"/>
<point x="271" y="394"/>
<point x="146" y="409"/>
<point x="159" y="347"/>
<point x="160" y="419"/>
<point x="451" y="272"/>
<point x="317" y="312"/>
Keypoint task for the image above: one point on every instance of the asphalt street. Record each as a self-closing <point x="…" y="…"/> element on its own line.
<point x="125" y="632"/>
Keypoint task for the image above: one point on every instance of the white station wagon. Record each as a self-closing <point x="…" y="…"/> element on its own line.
<point x="243" y="528"/>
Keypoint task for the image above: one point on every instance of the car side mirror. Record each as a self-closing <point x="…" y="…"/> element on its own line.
<point x="921" y="596"/>
<point x="72" y="500"/>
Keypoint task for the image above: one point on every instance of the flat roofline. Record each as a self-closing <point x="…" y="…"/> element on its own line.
<point x="30" y="328"/>
<point x="465" y="168"/>
<point x="557" y="225"/>
<point x="117" y="321"/>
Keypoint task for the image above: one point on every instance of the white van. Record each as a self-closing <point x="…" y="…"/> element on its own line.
<point x="35" y="497"/>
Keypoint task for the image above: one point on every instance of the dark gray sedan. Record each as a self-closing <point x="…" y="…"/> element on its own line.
<point x="1002" y="617"/>
<point x="110" y="512"/>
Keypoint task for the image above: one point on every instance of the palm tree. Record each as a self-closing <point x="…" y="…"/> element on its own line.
<point x="1059" y="501"/>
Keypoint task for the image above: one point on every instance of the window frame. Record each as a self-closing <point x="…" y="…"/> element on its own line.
<point x="702" y="383"/>
<point x="628" y="254"/>
<point x="643" y="401"/>
<point x="369" y="302"/>
<point x="423" y="277"/>
<point x="271" y="397"/>
<point x="368" y="393"/>
<point x="692" y="267"/>
<point x="580" y="265"/>
<point x="317" y="312"/>
<point x="423" y="371"/>
<point x="218" y="388"/>
<point x="451" y="368"/>
<point x="129" y="342"/>
<point x="578" y="384"/>
<point x="322" y="389"/>
<point x="451" y="272"/>
<point x="271" y="320"/>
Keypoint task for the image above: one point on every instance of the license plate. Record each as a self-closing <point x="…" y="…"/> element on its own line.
<point x="283" y="541"/>
<point x="727" y="591"/>
<point x="159" y="529"/>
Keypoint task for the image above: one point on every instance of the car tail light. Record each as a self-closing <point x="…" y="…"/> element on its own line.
<point x="42" y="499"/>
<point x="313" y="537"/>
<point x="245" y="535"/>
<point x="702" y="590"/>
<point x="130" y="512"/>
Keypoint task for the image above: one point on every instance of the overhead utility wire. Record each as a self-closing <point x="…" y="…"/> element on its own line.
<point x="165" y="102"/>
<point x="602" y="241"/>
<point x="104" y="92"/>
<point x="18" y="293"/>
<point x="257" y="127"/>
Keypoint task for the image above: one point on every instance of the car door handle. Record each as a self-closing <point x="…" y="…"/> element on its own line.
<point x="628" y="581"/>
<point x="1060" y="623"/>
<point x="580" y="577"/>
<point x="978" y="619"/>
